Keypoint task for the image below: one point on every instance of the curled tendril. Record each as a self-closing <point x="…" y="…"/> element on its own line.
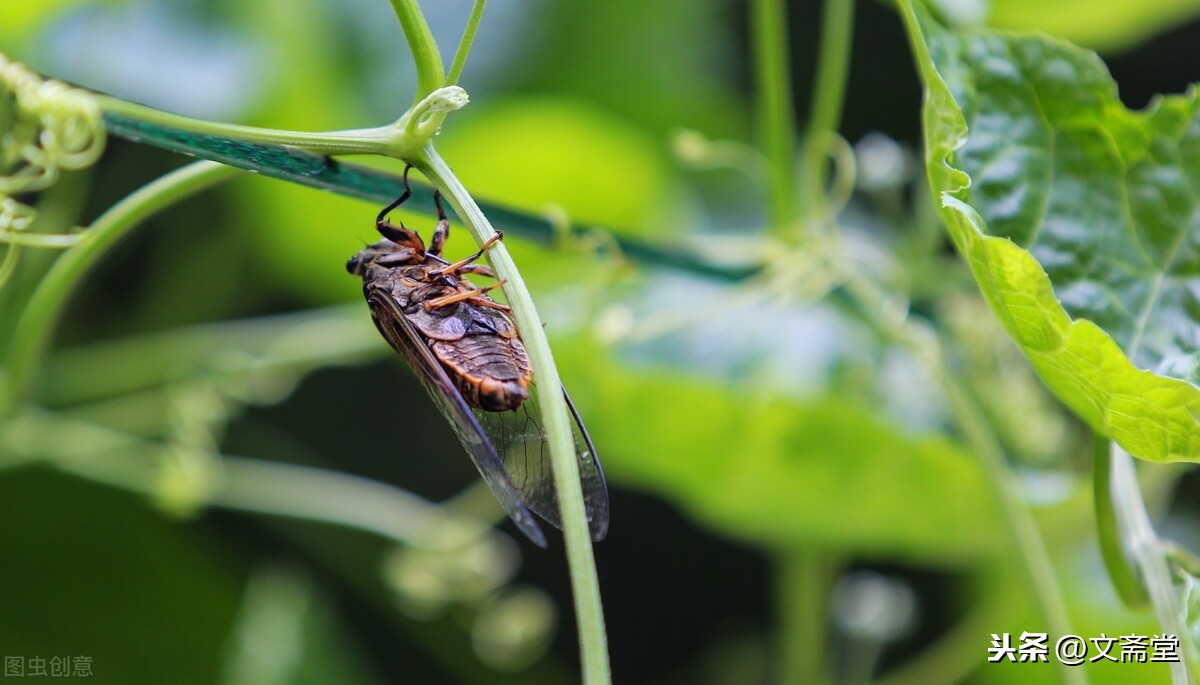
<point x="49" y="127"/>
<point x="423" y="120"/>
<point x="698" y="152"/>
<point x="46" y="127"/>
<point x="15" y="216"/>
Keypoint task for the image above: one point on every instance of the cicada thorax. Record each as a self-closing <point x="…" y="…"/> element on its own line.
<point x="477" y="345"/>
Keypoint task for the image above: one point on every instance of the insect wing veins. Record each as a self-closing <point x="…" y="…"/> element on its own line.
<point x="403" y="336"/>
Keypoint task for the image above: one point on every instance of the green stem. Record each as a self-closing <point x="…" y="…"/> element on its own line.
<point x="1182" y="558"/>
<point x="53" y="241"/>
<point x="804" y="580"/>
<point x="126" y="461"/>
<point x="829" y="94"/>
<point x="775" y="113"/>
<point x="430" y="72"/>
<point x="1126" y="581"/>
<point x="148" y="126"/>
<point x="464" y="46"/>
<point x="880" y="307"/>
<point x="589" y="613"/>
<point x="41" y="313"/>
<point x="377" y="141"/>
<point x="304" y="492"/>
<point x="1148" y="553"/>
<point x="1028" y="539"/>
<point x="281" y="344"/>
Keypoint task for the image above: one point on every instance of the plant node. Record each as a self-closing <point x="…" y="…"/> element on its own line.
<point x="423" y="120"/>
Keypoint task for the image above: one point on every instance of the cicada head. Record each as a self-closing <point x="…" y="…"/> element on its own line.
<point x="384" y="253"/>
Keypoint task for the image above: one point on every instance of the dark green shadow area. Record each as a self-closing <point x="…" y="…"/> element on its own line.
<point x="88" y="574"/>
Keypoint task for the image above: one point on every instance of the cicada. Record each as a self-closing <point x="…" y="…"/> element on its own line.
<point x="468" y="354"/>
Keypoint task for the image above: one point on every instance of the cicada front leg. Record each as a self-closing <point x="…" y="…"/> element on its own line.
<point x="451" y="269"/>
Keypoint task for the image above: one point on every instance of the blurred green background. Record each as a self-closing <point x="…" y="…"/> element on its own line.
<point x="752" y="433"/>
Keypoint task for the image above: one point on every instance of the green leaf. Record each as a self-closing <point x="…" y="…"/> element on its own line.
<point x="539" y="153"/>
<point x="826" y="471"/>
<point x="1100" y="24"/>
<point x="1077" y="219"/>
<point x="20" y="20"/>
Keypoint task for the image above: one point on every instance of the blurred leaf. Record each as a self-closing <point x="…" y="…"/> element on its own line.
<point x="538" y="154"/>
<point x="18" y="20"/>
<point x="304" y="238"/>
<point x="1095" y="613"/>
<point x="784" y="473"/>
<point x="92" y="572"/>
<point x="664" y="64"/>
<point x="1078" y="220"/>
<point x="1101" y="24"/>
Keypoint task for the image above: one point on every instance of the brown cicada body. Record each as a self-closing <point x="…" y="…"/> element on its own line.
<point x="468" y="354"/>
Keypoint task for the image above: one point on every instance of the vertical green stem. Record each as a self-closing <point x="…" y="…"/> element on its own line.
<point x="589" y="613"/>
<point x="1108" y="530"/>
<point x="803" y="580"/>
<point x="33" y="329"/>
<point x="837" y="27"/>
<point x="430" y="72"/>
<point x="1023" y="528"/>
<point x="971" y="420"/>
<point x="464" y="46"/>
<point x="775" y="113"/>
<point x="1148" y="553"/>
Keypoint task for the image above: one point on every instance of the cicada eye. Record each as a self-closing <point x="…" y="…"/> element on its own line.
<point x="355" y="264"/>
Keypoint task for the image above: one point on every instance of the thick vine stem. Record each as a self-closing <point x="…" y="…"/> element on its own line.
<point x="774" y="106"/>
<point x="365" y="141"/>
<point x="555" y="419"/>
<point x="1121" y="571"/>
<point x="431" y="75"/>
<point x="1149" y="555"/>
<point x="402" y="140"/>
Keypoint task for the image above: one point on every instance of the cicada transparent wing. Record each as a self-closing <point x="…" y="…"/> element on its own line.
<point x="508" y="448"/>
<point x="521" y="442"/>
<point x="403" y="336"/>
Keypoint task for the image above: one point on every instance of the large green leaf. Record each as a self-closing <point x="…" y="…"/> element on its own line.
<point x="786" y="473"/>
<point x="1078" y="219"/>
<point x="1100" y="24"/>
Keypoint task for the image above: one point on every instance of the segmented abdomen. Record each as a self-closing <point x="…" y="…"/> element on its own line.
<point x="491" y="372"/>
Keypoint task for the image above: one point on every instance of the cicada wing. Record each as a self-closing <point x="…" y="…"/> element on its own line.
<point x="403" y="336"/>
<point x="519" y="437"/>
<point x="591" y="476"/>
